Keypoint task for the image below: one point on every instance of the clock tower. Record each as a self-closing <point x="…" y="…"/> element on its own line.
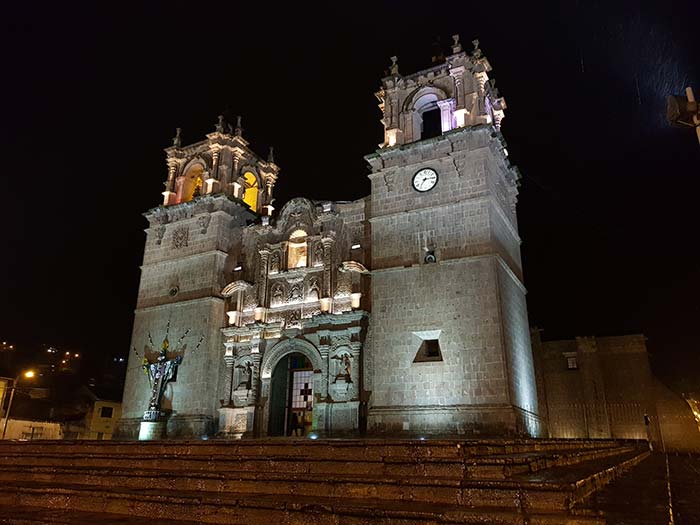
<point x="449" y="347"/>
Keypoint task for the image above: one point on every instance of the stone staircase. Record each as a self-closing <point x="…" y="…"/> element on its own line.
<point x="307" y="482"/>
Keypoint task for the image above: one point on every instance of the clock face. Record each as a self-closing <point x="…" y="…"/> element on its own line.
<point x="425" y="179"/>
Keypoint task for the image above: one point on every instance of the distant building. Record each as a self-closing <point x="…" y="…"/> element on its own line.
<point x="102" y="419"/>
<point x="603" y="387"/>
<point x="97" y="417"/>
<point x="27" y="429"/>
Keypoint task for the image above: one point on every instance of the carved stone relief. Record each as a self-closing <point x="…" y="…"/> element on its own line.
<point x="389" y="178"/>
<point x="275" y="262"/>
<point x="181" y="237"/>
<point x="277" y="294"/>
<point x="344" y="286"/>
<point x="250" y="301"/>
<point x="318" y="254"/>
<point x="312" y="290"/>
<point x="294" y="319"/>
<point x="203" y="223"/>
<point x="159" y="233"/>
<point x="295" y="294"/>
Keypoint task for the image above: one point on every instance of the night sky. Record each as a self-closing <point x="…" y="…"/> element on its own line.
<point x="92" y="94"/>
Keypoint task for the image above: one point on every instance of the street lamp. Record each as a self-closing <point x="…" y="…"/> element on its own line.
<point x="684" y="111"/>
<point x="28" y="374"/>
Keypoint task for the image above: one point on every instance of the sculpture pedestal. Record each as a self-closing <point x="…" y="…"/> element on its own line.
<point x="235" y="422"/>
<point x="152" y="430"/>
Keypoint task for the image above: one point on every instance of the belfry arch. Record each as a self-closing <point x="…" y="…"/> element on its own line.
<point x="191" y="183"/>
<point x="426" y="106"/>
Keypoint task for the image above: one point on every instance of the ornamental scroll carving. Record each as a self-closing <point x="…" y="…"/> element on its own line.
<point x="203" y="223"/>
<point x="181" y="237"/>
<point x="159" y="233"/>
<point x="295" y="294"/>
<point x="275" y="262"/>
<point x="318" y="254"/>
<point x="313" y="290"/>
<point x="277" y="294"/>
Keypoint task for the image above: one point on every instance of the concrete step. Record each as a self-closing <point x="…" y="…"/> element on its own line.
<point x="486" y="467"/>
<point x="82" y="506"/>
<point x="556" y="488"/>
<point x="321" y="449"/>
<point x="22" y="515"/>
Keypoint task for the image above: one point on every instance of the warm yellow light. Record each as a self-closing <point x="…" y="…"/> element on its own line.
<point x="250" y="197"/>
<point x="77" y="355"/>
<point x="29" y="374"/>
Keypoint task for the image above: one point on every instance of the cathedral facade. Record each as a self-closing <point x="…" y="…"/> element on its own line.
<point x="402" y="313"/>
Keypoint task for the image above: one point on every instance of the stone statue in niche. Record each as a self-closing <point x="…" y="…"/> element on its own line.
<point x="295" y="293"/>
<point x="245" y="376"/>
<point x="312" y="294"/>
<point x="318" y="254"/>
<point x="275" y="262"/>
<point x="277" y="294"/>
<point x="343" y="367"/>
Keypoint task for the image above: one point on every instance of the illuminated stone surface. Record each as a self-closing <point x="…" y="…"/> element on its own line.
<point x="602" y="387"/>
<point x="323" y="482"/>
<point x="346" y="288"/>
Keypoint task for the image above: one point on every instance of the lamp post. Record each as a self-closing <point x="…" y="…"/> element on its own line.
<point x="684" y="111"/>
<point x="28" y="375"/>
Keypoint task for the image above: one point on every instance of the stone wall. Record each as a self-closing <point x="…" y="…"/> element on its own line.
<point x="516" y="339"/>
<point x="609" y="393"/>
<point x="457" y="302"/>
<point x="185" y="264"/>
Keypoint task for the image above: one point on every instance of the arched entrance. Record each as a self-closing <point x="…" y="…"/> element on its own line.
<point x="291" y="396"/>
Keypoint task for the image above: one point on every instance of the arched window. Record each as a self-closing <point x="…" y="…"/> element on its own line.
<point x="427" y="119"/>
<point x="297" y="251"/>
<point x="250" y="197"/>
<point x="192" y="183"/>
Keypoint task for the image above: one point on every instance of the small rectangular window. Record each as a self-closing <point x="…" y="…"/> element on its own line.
<point x="106" y="412"/>
<point x="429" y="350"/>
<point x="571" y="363"/>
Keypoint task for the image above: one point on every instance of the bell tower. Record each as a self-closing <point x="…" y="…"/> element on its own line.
<point x="450" y="346"/>
<point x="214" y="188"/>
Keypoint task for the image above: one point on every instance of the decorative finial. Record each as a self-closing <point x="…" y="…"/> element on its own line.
<point x="239" y="128"/>
<point x="177" y="142"/>
<point x="456" y="47"/>
<point x="271" y="155"/>
<point x="220" y="124"/>
<point x="394" y="65"/>
<point x="477" y="52"/>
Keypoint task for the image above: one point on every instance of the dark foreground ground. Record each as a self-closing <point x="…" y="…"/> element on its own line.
<point x="642" y="495"/>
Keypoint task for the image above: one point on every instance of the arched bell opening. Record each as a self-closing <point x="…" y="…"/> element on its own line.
<point x="251" y="190"/>
<point x="191" y="184"/>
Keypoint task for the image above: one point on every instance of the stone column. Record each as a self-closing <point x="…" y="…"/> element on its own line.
<point x="446" y="112"/>
<point x="169" y="193"/>
<point x="457" y="74"/>
<point x="327" y="268"/>
<point x="262" y="278"/>
<point x="213" y="179"/>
